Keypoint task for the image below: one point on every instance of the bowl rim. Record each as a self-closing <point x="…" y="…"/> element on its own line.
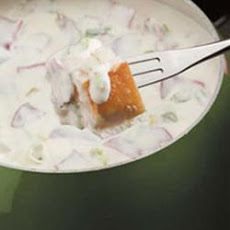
<point x="212" y="30"/>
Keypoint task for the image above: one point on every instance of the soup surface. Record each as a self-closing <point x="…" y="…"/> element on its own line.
<point x="32" y="135"/>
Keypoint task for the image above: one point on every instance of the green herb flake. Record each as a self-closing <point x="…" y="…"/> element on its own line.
<point x="92" y="33"/>
<point x="100" y="155"/>
<point x="166" y="28"/>
<point x="181" y="97"/>
<point x="32" y="91"/>
<point x="97" y="32"/>
<point x="85" y="42"/>
<point x="148" y="51"/>
<point x="170" y="117"/>
<point x="201" y="96"/>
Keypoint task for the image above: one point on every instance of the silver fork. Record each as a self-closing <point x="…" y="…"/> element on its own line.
<point x="154" y="67"/>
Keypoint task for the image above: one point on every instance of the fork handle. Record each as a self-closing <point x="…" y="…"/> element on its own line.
<point x="157" y="66"/>
<point x="198" y="54"/>
<point x="213" y="49"/>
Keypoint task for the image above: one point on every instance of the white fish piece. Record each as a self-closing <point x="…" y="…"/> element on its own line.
<point x="70" y="114"/>
<point x="78" y="57"/>
<point x="60" y="82"/>
<point x="106" y="54"/>
<point x="94" y="64"/>
<point x="26" y="114"/>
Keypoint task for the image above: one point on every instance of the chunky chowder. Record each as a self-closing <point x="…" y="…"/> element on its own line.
<point x="33" y="135"/>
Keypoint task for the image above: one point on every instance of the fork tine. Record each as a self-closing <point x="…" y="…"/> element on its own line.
<point x="146" y="69"/>
<point x="148" y="79"/>
<point x="149" y="71"/>
<point x="140" y="67"/>
<point x="144" y="60"/>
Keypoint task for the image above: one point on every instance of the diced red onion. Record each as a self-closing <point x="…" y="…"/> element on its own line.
<point x="130" y="143"/>
<point x="30" y="67"/>
<point x="25" y="115"/>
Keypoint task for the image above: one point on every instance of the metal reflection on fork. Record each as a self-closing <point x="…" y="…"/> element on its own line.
<point x="154" y="67"/>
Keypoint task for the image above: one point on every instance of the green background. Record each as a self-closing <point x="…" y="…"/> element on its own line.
<point x="185" y="186"/>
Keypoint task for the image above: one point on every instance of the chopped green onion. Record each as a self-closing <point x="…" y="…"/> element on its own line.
<point x="181" y="97"/>
<point x="97" y="32"/>
<point x="36" y="154"/>
<point x="100" y="155"/>
<point x="148" y="51"/>
<point x="166" y="28"/>
<point x="201" y="96"/>
<point x="32" y="91"/>
<point x="170" y="117"/>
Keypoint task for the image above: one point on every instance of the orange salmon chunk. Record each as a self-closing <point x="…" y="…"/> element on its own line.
<point x="124" y="101"/>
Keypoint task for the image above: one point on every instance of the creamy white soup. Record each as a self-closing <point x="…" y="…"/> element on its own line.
<point x="33" y="36"/>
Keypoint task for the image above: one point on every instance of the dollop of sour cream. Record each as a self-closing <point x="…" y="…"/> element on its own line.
<point x="100" y="85"/>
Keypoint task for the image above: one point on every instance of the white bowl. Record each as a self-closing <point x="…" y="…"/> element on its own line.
<point x="190" y="9"/>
